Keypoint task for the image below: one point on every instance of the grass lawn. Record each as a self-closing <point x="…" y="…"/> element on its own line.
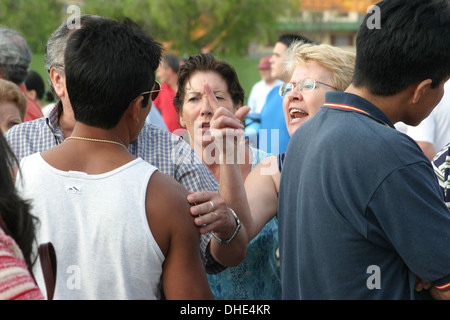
<point x="245" y="67"/>
<point x="247" y="72"/>
<point x="37" y="64"/>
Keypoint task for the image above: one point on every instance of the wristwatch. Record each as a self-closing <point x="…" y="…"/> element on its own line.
<point x="238" y="227"/>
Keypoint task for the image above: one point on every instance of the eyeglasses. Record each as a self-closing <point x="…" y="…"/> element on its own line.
<point x="307" y="85"/>
<point x="154" y="93"/>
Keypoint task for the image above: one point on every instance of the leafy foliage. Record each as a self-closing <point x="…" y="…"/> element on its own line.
<point x="190" y="26"/>
<point x="225" y="27"/>
<point x="34" y="19"/>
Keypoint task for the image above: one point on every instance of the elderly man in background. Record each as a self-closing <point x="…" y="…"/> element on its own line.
<point x="15" y="59"/>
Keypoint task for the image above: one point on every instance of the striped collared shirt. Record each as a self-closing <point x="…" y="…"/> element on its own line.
<point x="166" y="151"/>
<point x="441" y="166"/>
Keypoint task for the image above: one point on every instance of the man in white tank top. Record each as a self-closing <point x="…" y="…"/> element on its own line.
<point x="166" y="151"/>
<point x="120" y="228"/>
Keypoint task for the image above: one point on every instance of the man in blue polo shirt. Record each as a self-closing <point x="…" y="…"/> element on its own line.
<point x="360" y="211"/>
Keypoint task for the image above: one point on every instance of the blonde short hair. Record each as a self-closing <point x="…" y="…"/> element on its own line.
<point x="10" y="92"/>
<point x="339" y="62"/>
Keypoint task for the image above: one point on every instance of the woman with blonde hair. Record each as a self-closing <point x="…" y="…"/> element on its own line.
<point x="315" y="70"/>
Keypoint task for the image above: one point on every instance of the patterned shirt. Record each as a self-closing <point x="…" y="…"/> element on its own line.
<point x="16" y="282"/>
<point x="166" y="151"/>
<point x="441" y="166"/>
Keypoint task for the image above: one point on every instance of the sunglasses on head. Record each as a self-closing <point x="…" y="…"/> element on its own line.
<point x="153" y="93"/>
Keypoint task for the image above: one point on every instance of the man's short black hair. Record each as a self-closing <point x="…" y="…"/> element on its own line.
<point x="288" y="38"/>
<point x="170" y="60"/>
<point x="108" y="64"/>
<point x="411" y="45"/>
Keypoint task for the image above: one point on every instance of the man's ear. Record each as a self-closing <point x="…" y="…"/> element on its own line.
<point x="135" y="107"/>
<point x="58" y="81"/>
<point x="32" y="94"/>
<point x="420" y="90"/>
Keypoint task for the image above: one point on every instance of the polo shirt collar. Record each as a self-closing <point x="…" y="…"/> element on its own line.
<point x="353" y="103"/>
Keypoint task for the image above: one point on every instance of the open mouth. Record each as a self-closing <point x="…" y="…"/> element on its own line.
<point x="204" y="127"/>
<point x="297" y="114"/>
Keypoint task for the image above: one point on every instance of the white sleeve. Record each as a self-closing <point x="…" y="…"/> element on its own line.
<point x="252" y="99"/>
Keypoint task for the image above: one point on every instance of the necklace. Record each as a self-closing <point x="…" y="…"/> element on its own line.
<point x="98" y="140"/>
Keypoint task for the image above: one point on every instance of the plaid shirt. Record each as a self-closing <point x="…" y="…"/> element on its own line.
<point x="166" y="151"/>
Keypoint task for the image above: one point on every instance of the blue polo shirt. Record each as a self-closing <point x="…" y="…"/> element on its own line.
<point x="360" y="211"/>
<point x="273" y="135"/>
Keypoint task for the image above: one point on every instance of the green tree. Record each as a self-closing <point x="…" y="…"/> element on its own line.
<point x="34" y="19"/>
<point x="222" y="26"/>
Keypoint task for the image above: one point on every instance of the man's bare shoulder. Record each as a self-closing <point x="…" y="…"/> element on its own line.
<point x="164" y="185"/>
<point x="168" y="211"/>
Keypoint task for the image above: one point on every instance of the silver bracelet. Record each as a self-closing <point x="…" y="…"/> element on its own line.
<point x="238" y="227"/>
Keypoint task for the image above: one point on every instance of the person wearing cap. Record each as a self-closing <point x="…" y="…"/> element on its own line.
<point x="257" y="97"/>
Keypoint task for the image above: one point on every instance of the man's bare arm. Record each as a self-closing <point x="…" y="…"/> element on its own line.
<point x="184" y="275"/>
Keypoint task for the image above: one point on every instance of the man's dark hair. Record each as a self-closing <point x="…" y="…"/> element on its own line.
<point x="411" y="45"/>
<point x="170" y="60"/>
<point x="34" y="81"/>
<point x="16" y="219"/>
<point x="288" y="38"/>
<point x="108" y="64"/>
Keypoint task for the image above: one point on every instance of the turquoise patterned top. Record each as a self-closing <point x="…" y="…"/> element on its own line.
<point x="258" y="275"/>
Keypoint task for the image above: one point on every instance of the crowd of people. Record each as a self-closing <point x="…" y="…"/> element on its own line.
<point x="143" y="177"/>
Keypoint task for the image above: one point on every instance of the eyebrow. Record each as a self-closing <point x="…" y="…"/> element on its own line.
<point x="198" y="92"/>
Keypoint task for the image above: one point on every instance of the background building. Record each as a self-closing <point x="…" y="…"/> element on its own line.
<point x="334" y="22"/>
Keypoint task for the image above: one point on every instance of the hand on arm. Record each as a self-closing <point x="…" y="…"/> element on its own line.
<point x="213" y="215"/>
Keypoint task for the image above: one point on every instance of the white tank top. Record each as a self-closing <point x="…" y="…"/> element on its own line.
<point x="99" y="228"/>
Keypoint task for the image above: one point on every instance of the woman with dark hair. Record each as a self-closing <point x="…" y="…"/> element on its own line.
<point x="206" y="85"/>
<point x="17" y="231"/>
